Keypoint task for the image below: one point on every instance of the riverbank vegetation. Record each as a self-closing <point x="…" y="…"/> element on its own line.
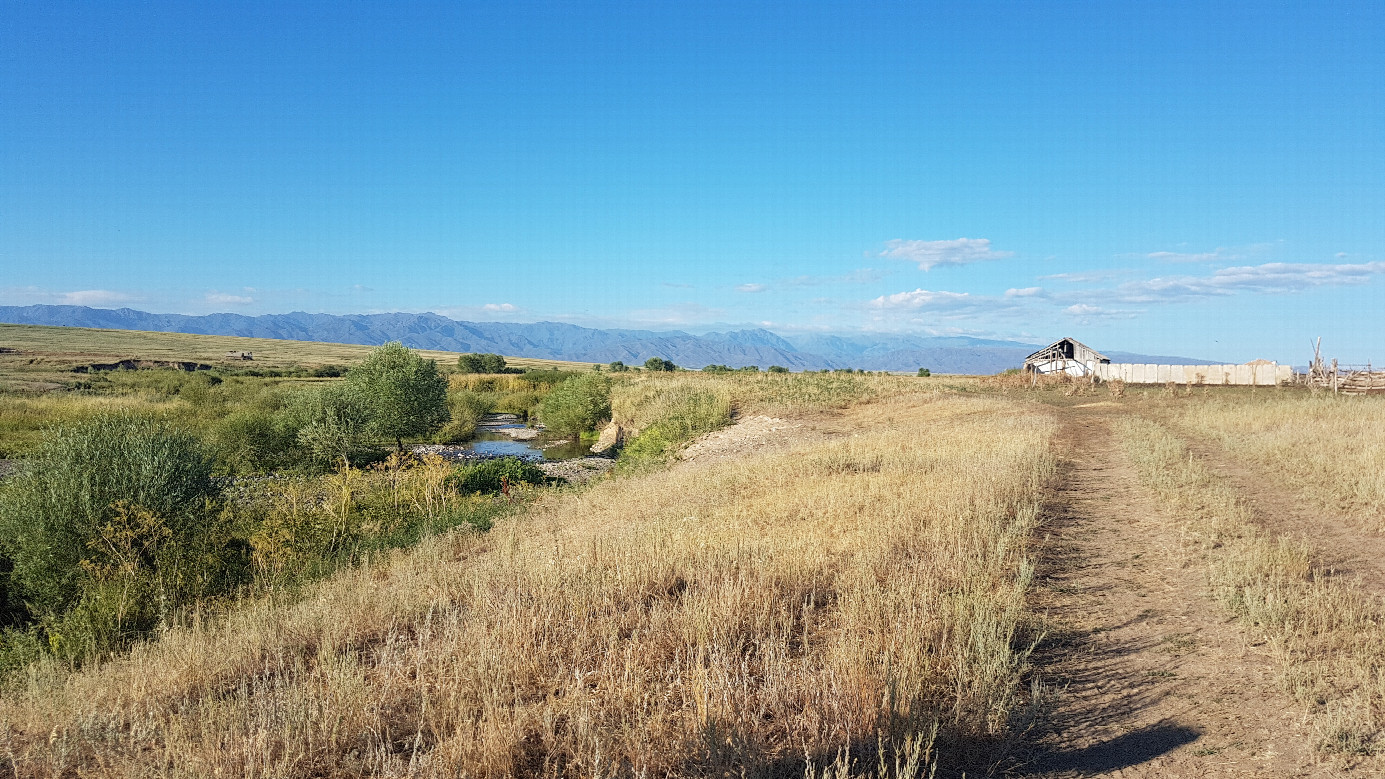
<point x="151" y="495"/>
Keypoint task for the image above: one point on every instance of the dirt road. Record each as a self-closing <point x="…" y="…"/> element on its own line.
<point x="1149" y="677"/>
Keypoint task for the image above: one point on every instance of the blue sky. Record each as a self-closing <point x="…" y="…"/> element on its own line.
<point x="1196" y="179"/>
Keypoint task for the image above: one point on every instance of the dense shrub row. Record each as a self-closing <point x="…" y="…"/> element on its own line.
<point x="116" y="526"/>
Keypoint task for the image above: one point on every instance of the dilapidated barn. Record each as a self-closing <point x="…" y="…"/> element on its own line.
<point x="1068" y="355"/>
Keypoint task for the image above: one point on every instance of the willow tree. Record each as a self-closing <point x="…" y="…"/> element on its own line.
<point x="406" y="394"/>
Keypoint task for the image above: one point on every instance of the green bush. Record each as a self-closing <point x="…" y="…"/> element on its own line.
<point x="521" y="403"/>
<point x="777" y="369"/>
<point x="488" y="476"/>
<point x="11" y="605"/>
<point x="578" y="404"/>
<point x="253" y="440"/>
<point x="111" y="525"/>
<point x="684" y="415"/>
<point x="925" y="372"/>
<point x="162" y="381"/>
<point x="618" y="367"/>
<point x="466" y="409"/>
<point x="659" y="364"/>
<point x="548" y="378"/>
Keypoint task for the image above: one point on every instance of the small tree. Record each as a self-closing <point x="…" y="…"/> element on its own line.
<point x="659" y="364"/>
<point x="716" y="369"/>
<point x="618" y="367"/>
<point x="405" y="393"/>
<point x="925" y="372"/>
<point x="777" y="369"/>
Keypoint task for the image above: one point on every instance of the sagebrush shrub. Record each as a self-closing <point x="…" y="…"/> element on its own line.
<point x="112" y="523"/>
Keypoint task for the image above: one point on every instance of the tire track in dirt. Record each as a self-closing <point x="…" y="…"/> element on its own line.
<point x="1338" y="544"/>
<point x="1149" y="677"/>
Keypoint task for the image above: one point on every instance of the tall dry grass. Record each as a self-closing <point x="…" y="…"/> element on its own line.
<point x="640" y="399"/>
<point x="1327" y="633"/>
<point x="1330" y="448"/>
<point x="745" y="617"/>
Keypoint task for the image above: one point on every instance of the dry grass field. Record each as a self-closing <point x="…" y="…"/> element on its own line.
<point x="842" y="576"/>
<point x="1330" y="448"/>
<point x="1326" y="631"/>
<point x="47" y="354"/>
<point x="861" y="596"/>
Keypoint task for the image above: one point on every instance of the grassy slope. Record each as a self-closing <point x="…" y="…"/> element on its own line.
<point x="705" y="619"/>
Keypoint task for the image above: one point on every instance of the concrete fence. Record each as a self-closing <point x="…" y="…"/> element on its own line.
<point x="1148" y="373"/>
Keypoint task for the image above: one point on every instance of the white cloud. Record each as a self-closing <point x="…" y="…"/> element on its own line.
<point x="94" y="297"/>
<point x="1026" y="292"/>
<point x="1082" y="309"/>
<point x="924" y="299"/>
<point x="1081" y="277"/>
<point x="676" y="314"/>
<point x="1269" y="278"/>
<point x="1220" y="255"/>
<point x="500" y="307"/>
<point x="223" y="299"/>
<point x="858" y="276"/>
<point x="751" y="287"/>
<point x="1086" y="313"/>
<point x="931" y="254"/>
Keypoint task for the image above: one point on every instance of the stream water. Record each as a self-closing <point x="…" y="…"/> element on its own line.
<point x="496" y="437"/>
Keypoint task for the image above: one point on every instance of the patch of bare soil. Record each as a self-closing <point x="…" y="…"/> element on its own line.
<point x="577" y="471"/>
<point x="753" y="435"/>
<point x="1149" y="678"/>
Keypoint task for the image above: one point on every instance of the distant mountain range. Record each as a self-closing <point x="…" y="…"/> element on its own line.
<point x="558" y="341"/>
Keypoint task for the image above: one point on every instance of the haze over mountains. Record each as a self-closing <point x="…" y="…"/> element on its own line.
<point x="559" y="341"/>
